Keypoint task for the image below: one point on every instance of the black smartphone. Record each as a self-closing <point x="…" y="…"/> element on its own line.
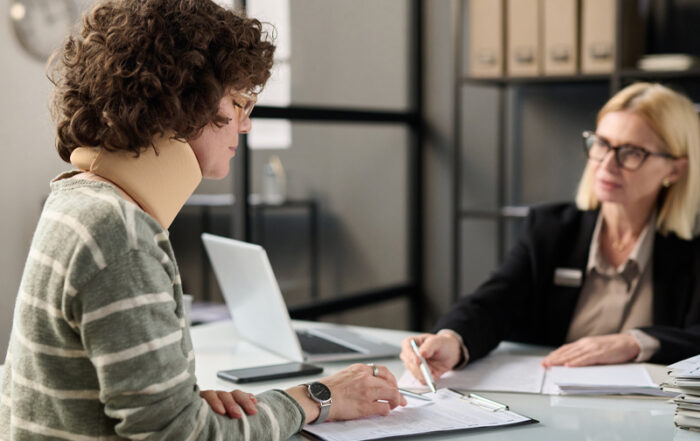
<point x="262" y="373"/>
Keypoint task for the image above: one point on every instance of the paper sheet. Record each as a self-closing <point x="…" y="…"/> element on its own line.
<point x="499" y="372"/>
<point x="448" y="411"/>
<point x="625" y="379"/>
<point x="611" y="376"/>
<point x="688" y="368"/>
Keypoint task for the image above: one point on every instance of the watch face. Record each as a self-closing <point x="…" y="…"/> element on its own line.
<point x="320" y="391"/>
<point x="42" y="25"/>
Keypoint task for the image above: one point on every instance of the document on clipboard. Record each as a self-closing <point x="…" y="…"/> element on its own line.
<point x="448" y="411"/>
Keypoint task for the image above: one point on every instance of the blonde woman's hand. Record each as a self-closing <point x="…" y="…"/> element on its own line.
<point x="441" y="351"/>
<point x="601" y="349"/>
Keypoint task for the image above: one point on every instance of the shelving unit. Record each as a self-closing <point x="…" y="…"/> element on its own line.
<point x="511" y="209"/>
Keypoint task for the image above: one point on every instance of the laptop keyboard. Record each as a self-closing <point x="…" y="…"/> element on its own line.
<point x="314" y="344"/>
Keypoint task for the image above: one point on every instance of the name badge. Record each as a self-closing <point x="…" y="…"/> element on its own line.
<point x="570" y="277"/>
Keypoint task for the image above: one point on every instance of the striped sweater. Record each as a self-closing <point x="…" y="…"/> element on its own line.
<point x="99" y="348"/>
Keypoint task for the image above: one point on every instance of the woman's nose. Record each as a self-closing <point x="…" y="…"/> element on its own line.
<point x="244" y="127"/>
<point x="609" y="162"/>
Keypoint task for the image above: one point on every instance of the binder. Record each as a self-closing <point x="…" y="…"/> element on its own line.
<point x="598" y="18"/>
<point x="485" y="35"/>
<point x="598" y="35"/>
<point x="523" y="38"/>
<point x="560" y="39"/>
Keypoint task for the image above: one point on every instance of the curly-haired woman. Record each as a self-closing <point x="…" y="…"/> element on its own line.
<point x="150" y="97"/>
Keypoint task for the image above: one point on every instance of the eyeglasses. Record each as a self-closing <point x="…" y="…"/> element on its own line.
<point x="627" y="156"/>
<point x="244" y="102"/>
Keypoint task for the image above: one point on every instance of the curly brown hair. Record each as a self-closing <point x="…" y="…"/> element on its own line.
<point x="141" y="68"/>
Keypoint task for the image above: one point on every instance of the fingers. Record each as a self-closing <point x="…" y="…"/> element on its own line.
<point x="247" y="401"/>
<point x="385" y="374"/>
<point x="213" y="400"/>
<point x="232" y="409"/>
<point x="584" y="360"/>
<point x="565" y="353"/>
<point x="409" y="358"/>
<point x="382" y="387"/>
<point x="230" y="403"/>
<point x="378" y="408"/>
<point x="430" y="346"/>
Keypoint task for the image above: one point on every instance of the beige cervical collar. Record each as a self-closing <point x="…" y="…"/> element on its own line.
<point x="160" y="183"/>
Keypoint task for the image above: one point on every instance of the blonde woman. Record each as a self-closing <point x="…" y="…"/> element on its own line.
<point x="612" y="279"/>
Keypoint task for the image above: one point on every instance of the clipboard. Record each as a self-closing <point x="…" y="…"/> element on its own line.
<point x="449" y="411"/>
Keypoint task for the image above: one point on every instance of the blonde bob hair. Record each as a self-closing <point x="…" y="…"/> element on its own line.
<point x="675" y="120"/>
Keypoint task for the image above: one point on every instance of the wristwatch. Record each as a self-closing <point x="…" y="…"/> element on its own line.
<point x="320" y="393"/>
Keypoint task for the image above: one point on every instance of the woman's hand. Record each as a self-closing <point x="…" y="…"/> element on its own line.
<point x="230" y="403"/>
<point x="441" y="351"/>
<point x="355" y="393"/>
<point x="601" y="349"/>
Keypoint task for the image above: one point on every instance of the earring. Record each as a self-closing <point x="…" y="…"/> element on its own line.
<point x="666" y="183"/>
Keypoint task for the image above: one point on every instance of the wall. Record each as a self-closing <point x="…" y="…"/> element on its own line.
<point x="28" y="162"/>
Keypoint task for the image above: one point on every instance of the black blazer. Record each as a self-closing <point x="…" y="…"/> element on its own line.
<point x="520" y="302"/>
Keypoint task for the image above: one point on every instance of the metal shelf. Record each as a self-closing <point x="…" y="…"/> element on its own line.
<point x="502" y="81"/>
<point x="660" y="75"/>
<point x="617" y="79"/>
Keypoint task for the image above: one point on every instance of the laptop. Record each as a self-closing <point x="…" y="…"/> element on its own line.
<point x="260" y="315"/>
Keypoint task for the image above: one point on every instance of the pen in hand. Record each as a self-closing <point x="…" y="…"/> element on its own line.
<point x="424" y="368"/>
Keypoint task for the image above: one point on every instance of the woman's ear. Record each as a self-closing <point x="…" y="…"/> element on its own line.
<point x="680" y="167"/>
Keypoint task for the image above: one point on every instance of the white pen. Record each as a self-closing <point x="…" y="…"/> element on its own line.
<point x="418" y="396"/>
<point x="424" y="368"/>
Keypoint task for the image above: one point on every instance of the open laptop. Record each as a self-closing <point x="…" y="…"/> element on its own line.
<point x="260" y="315"/>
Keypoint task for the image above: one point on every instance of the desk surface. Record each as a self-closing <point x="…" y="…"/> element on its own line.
<point x="561" y="417"/>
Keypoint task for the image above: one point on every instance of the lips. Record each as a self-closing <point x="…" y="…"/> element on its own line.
<point x="607" y="185"/>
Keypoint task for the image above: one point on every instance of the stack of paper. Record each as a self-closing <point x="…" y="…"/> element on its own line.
<point x="621" y="379"/>
<point x="668" y="62"/>
<point x="684" y="380"/>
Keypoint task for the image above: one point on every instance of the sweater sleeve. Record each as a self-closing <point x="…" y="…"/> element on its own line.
<point x="139" y="346"/>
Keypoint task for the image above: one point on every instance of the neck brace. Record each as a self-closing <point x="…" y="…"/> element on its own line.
<point x="159" y="183"/>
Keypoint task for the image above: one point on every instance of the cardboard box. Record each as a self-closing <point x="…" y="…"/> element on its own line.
<point x="485" y="33"/>
<point x="560" y="37"/>
<point x="524" y="48"/>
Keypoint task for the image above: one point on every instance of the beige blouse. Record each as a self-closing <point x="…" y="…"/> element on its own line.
<point x="618" y="299"/>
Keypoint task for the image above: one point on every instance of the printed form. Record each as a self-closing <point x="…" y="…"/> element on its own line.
<point x="449" y="411"/>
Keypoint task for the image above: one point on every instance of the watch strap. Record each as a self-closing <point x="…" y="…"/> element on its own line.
<point x="324" y="406"/>
<point x="325" y="411"/>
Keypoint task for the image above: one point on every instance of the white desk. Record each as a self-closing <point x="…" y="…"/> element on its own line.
<point x="561" y="418"/>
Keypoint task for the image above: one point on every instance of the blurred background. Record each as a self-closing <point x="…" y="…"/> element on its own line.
<point x="394" y="151"/>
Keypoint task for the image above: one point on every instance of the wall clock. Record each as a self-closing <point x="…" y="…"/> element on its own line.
<point x="41" y="26"/>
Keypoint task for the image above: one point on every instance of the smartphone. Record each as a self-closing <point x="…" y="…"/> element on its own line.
<point x="262" y="373"/>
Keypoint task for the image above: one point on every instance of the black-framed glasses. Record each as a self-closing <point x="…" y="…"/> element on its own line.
<point x="627" y="156"/>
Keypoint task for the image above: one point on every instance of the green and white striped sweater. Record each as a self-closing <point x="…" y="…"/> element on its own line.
<point x="99" y="347"/>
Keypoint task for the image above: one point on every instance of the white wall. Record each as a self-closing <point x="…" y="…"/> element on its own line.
<point x="28" y="162"/>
